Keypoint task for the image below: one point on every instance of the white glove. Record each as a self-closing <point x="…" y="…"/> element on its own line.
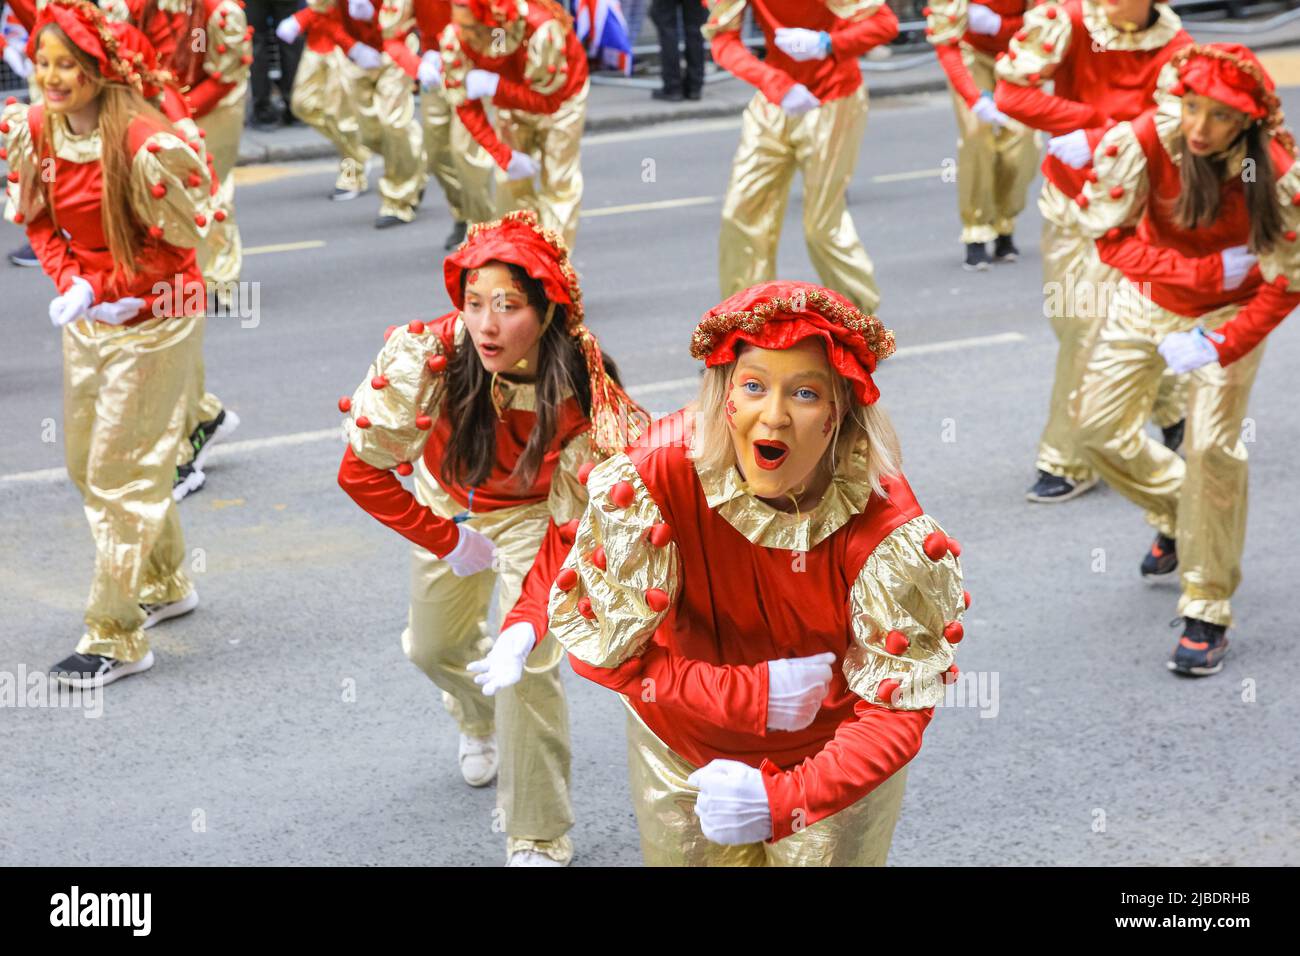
<point x="1237" y="263"/>
<point x="980" y="19"/>
<point x="795" y="688"/>
<point x="481" y="83"/>
<point x="366" y="57"/>
<point x="430" y="70"/>
<point x="732" y="805"/>
<point x="361" y="9"/>
<point x="73" y="303"/>
<point x="800" y="44"/>
<point x="1071" y="148"/>
<point x="799" y="100"/>
<point x="288" y="30"/>
<point x="473" y="552"/>
<point x="986" y="112"/>
<point x="522" y="166"/>
<point x="115" y="313"/>
<point x="17" y="61"/>
<point x="504" y="664"/>
<point x="1185" y="351"/>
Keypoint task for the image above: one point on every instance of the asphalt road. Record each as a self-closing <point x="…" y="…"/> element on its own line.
<point x="282" y="723"/>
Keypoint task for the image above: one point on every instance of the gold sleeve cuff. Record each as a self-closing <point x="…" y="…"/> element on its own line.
<point x="402" y="392"/>
<point x="19" y="149"/>
<point x="901" y="591"/>
<point x="723" y="15"/>
<point x="568" y="496"/>
<point x="171" y="190"/>
<point x="636" y="571"/>
<point x="1117" y="197"/>
<point x="230" y="50"/>
<point x="1037" y="47"/>
<point x="946" y="21"/>
<point x="455" y="67"/>
<point x="396" y="18"/>
<point x="547" y="68"/>
<point x="1284" y="258"/>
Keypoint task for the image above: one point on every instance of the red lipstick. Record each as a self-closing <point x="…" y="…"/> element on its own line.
<point x="770" y="455"/>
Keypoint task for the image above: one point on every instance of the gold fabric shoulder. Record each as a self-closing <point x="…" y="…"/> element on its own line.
<point x="186" y="207"/>
<point x="568" y="495"/>
<point x="1110" y="38"/>
<point x="396" y="18"/>
<point x="408" y="389"/>
<point x="767" y="527"/>
<point x="853" y="9"/>
<point x="621" y="622"/>
<point x="20" y="150"/>
<point x="946" y="22"/>
<point x="1037" y="47"/>
<point x="1119" y="196"/>
<point x="901" y="589"/>
<point x="321" y="6"/>
<point x="724" y="15"/>
<point x="1284" y="258"/>
<point x="547" y="67"/>
<point x="230" y="49"/>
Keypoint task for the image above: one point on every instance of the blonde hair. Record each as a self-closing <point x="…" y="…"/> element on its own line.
<point x="863" y="429"/>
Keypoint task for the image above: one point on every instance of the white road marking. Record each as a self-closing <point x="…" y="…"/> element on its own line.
<point x="284" y="247"/>
<point x="48" y="475"/>
<point x="648" y="206"/>
<point x="903" y="177"/>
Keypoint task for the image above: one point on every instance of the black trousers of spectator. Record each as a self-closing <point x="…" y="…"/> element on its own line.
<point x="664" y="14"/>
<point x="263" y="15"/>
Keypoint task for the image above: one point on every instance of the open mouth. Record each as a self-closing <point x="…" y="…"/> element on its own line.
<point x="770" y="455"/>
<point x="489" y="351"/>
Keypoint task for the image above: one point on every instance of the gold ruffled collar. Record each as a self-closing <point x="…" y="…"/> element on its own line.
<point x="1112" y="38"/>
<point x="767" y="527"/>
<point x="68" y="145"/>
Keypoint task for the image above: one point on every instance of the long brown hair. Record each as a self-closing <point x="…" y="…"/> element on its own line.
<point x="561" y="368"/>
<point x="119" y="106"/>
<point x="1202" y="189"/>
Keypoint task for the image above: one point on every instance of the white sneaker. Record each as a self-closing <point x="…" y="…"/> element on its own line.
<point x="478" y="759"/>
<point x="531" y="858"/>
<point x="154" y="613"/>
<point x="89" y="670"/>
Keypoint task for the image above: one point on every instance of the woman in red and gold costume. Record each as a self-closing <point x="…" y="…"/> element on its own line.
<point x="114" y="224"/>
<point x="1104" y="59"/>
<point x="808" y="114"/>
<point x="996" y="155"/>
<point x="757" y="580"/>
<point x="1211" y="264"/>
<point x="500" y="407"/>
<point x="524" y="56"/>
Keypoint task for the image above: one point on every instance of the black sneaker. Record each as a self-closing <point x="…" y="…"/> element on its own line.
<point x="977" y="257"/>
<point x="1050" y="488"/>
<point x="267" y="120"/>
<point x="187" y="481"/>
<point x="671" y="96"/>
<point x="1200" y="650"/>
<point x="456" y="236"/>
<point x="90" y="670"/>
<point x="209" y="433"/>
<point x="24" y="256"/>
<point x="1004" y="249"/>
<point x="1173" y="435"/>
<point x="1162" y="559"/>
<point x="693" y="94"/>
<point x="387" y="222"/>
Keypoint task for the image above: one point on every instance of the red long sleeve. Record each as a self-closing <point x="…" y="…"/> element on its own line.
<point x="519" y="96"/>
<point x="730" y="696"/>
<point x="476" y="121"/>
<point x="383" y="497"/>
<point x="954" y="66"/>
<point x="401" y="55"/>
<point x="532" y="606"/>
<point x="55" y="255"/>
<point x="859" y="37"/>
<point x="1269" y="306"/>
<point x="1052" y="114"/>
<point x="205" y="95"/>
<point x="730" y="53"/>
<point x="863" y="754"/>
<point x="1142" y="262"/>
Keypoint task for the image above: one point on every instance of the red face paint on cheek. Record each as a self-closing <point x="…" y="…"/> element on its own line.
<point x="81" y="79"/>
<point x="730" y="409"/>
<point x="472" y="277"/>
<point x="830" y="421"/>
<point x="519" y="286"/>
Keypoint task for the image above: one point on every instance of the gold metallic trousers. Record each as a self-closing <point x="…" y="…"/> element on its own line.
<point x="858" y="835"/>
<point x="555" y="141"/>
<point x="1200" y="502"/>
<point x="385" y="111"/>
<point x="447" y="630"/>
<point x="823" y="143"/>
<point x="462" y="167"/>
<point x="321" y="100"/>
<point x="1076" y="288"/>
<point x="994" y="166"/>
<point x="123" y="418"/>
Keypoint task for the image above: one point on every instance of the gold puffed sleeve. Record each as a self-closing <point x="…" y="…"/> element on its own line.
<point x="455" y="66"/>
<point x="1037" y="47"/>
<point x="1284" y="258"/>
<point x="229" y="55"/>
<point x="1115" y="195"/>
<point x="621" y="575"/>
<point x="853" y="9"/>
<point x="19" y="154"/>
<point x="395" y="18"/>
<point x="724" y="15"/>
<point x="906" y="608"/>
<point x="568" y="498"/>
<point x="945" y="21"/>
<point x="393" y="410"/>
<point x="171" y="190"/>
<point x="546" y="68"/>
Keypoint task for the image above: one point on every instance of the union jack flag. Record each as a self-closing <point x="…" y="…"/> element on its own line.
<point x="603" y="30"/>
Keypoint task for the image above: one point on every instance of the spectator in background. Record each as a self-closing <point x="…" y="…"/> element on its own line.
<point x="693" y="13"/>
<point x="263" y="15"/>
